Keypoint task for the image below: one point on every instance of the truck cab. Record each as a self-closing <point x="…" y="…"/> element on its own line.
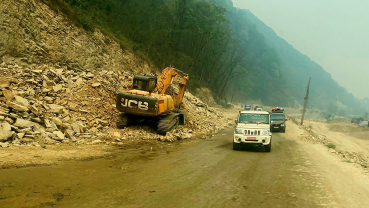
<point x="253" y="129"/>
<point x="278" y="120"/>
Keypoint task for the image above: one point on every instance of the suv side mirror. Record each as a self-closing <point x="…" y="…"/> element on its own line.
<point x="286" y="119"/>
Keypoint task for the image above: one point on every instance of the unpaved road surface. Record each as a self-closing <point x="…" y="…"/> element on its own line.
<point x="202" y="173"/>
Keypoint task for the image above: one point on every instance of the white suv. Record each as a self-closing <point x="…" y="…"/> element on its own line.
<point x="253" y="128"/>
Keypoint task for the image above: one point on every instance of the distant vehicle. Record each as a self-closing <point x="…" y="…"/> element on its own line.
<point x="258" y="108"/>
<point x="357" y="120"/>
<point x="253" y="129"/>
<point x="248" y="107"/>
<point x="277" y="110"/>
<point x="278" y="120"/>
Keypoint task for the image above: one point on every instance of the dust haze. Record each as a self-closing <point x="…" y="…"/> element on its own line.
<point x="332" y="33"/>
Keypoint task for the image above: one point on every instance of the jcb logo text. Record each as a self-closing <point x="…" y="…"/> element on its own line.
<point x="135" y="104"/>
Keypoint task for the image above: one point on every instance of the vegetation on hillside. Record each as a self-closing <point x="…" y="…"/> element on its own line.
<point x="194" y="36"/>
<point x="223" y="48"/>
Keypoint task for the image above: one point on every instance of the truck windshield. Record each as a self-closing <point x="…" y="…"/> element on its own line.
<point x="254" y="118"/>
<point x="277" y="117"/>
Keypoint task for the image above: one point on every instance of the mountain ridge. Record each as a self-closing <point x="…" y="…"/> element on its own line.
<point x="298" y="67"/>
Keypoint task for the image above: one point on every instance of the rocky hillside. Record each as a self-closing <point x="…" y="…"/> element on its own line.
<point x="31" y="34"/>
<point x="58" y="83"/>
<point x="47" y="105"/>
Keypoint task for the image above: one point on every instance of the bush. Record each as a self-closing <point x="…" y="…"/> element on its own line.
<point x="331" y="146"/>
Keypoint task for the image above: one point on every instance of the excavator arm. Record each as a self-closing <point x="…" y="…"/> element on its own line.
<point x="168" y="76"/>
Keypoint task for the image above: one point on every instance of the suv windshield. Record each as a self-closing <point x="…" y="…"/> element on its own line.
<point x="277" y="117"/>
<point x="254" y="118"/>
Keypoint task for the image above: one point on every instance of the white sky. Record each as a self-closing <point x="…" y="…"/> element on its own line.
<point x="333" y="33"/>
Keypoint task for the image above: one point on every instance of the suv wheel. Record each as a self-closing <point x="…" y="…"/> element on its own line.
<point x="268" y="147"/>
<point x="236" y="146"/>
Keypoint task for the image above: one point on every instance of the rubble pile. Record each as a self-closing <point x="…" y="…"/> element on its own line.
<point x="53" y="104"/>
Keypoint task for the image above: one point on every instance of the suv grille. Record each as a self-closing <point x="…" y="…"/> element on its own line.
<point x="252" y="132"/>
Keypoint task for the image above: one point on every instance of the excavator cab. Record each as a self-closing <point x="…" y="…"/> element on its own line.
<point x="144" y="83"/>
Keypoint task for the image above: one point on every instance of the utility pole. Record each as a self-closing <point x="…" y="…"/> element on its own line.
<point x="306" y="101"/>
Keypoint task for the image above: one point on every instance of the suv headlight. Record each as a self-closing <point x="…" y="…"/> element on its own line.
<point x="239" y="131"/>
<point x="266" y="132"/>
<point x="282" y="124"/>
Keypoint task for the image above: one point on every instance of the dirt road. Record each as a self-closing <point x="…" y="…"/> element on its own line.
<point x="202" y="173"/>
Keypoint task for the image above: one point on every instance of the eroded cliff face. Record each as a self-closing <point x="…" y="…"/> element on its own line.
<point x="33" y="33"/>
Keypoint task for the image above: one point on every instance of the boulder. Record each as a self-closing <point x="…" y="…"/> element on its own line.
<point x="117" y="134"/>
<point x="97" y="141"/>
<point x="94" y="130"/>
<point x="56" y="108"/>
<point x="17" y="106"/>
<point x="57" y="121"/>
<point x="21" y="100"/>
<point x="60" y="136"/>
<point x="53" y="126"/>
<point x="34" y="110"/>
<point x="96" y="84"/>
<point x="21" y="123"/>
<point x="6" y="126"/>
<point x="25" y="130"/>
<point x="185" y="136"/>
<point x="50" y="83"/>
<point x="76" y="128"/>
<point x="20" y="135"/>
<point x="70" y="134"/>
<point x="5" y="132"/>
<point x="3" y="110"/>
<point x="78" y="81"/>
<point x="90" y="75"/>
<point x="47" y="123"/>
<point x="37" y="71"/>
<point x="57" y="88"/>
<point x="36" y="130"/>
<point x="48" y="99"/>
<point x="2" y="113"/>
<point x="8" y="94"/>
<point x="4" y="144"/>
<point x="13" y="115"/>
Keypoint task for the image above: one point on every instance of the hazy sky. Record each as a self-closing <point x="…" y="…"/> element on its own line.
<point x="333" y="33"/>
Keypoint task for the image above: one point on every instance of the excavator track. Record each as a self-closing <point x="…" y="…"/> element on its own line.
<point x="167" y="123"/>
<point x="123" y="120"/>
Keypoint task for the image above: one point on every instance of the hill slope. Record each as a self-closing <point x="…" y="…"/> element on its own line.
<point x="58" y="83"/>
<point x="223" y="48"/>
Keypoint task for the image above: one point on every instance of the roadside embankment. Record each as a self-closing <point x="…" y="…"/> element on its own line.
<point x="344" y="139"/>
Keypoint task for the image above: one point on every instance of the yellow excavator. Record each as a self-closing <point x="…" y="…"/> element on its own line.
<point x="155" y="100"/>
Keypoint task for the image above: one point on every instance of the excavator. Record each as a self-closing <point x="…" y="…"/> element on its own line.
<point x="155" y="100"/>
